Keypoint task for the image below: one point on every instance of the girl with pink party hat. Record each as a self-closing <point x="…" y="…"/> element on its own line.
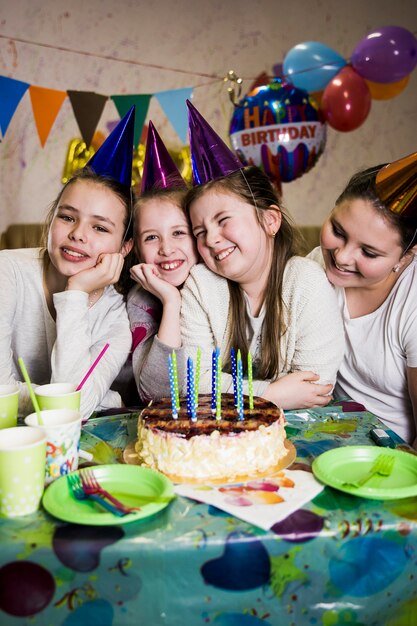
<point x="62" y="305"/>
<point x="166" y="248"/>
<point x="369" y="251"/>
<point x="254" y="293"/>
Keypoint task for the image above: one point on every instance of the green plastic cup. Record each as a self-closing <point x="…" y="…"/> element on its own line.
<point x="22" y="470"/>
<point x="58" y="396"/>
<point x="9" y="402"/>
<point x="62" y="429"/>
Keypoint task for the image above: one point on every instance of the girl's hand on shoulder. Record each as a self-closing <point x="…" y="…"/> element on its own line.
<point x="147" y="275"/>
<point x="106" y="271"/>
<point x="299" y="390"/>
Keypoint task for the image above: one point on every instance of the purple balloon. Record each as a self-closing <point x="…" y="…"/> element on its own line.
<point x="386" y="55"/>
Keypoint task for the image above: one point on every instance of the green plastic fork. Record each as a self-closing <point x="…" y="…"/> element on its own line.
<point x="382" y="466"/>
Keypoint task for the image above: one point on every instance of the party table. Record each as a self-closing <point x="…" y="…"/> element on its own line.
<point x="340" y="560"/>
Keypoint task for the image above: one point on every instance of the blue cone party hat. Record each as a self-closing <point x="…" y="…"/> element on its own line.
<point x="159" y="170"/>
<point x="210" y="156"/>
<point x="396" y="185"/>
<point x="115" y="155"/>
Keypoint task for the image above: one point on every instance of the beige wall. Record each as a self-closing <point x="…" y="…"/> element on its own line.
<point x="211" y="38"/>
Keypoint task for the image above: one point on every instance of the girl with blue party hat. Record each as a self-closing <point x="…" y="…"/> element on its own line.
<point x="166" y="250"/>
<point x="253" y="293"/>
<point x="62" y="305"/>
<point x="369" y="252"/>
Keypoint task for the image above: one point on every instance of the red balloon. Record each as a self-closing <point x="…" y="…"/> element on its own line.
<point x="346" y="100"/>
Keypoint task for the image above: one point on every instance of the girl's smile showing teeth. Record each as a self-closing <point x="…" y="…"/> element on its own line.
<point x="224" y="254"/>
<point x="75" y="254"/>
<point x="172" y="265"/>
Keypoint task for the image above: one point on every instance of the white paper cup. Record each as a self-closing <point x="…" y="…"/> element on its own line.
<point x="9" y="404"/>
<point x="58" y="396"/>
<point x="22" y="470"/>
<point x="62" y="428"/>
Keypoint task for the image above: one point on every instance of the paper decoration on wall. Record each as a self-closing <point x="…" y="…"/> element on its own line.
<point x="11" y="93"/>
<point x="141" y="103"/>
<point x="46" y="104"/>
<point x="88" y="107"/>
<point x="172" y="102"/>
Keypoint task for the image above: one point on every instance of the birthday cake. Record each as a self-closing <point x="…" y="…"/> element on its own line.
<point x="209" y="448"/>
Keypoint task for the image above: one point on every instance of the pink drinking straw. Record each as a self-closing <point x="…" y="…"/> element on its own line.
<point x="92" y="367"/>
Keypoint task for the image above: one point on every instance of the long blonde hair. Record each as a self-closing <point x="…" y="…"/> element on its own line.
<point x="255" y="188"/>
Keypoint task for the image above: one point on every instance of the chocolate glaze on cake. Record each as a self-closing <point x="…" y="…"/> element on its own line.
<point x="158" y="416"/>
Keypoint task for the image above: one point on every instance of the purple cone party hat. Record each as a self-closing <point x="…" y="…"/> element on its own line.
<point x="210" y="156"/>
<point x="159" y="170"/>
<point x="115" y="155"/>
<point x="396" y="185"/>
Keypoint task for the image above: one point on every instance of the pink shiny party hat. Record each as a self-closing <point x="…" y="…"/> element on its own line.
<point x="396" y="185"/>
<point x="115" y="155"/>
<point x="210" y="156"/>
<point x="159" y="170"/>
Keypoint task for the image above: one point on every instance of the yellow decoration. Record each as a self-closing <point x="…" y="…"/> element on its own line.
<point x="78" y="155"/>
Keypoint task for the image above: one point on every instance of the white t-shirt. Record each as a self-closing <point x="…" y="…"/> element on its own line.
<point x="379" y="348"/>
<point x="58" y="350"/>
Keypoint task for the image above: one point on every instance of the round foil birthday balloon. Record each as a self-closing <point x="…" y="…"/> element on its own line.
<point x="280" y="129"/>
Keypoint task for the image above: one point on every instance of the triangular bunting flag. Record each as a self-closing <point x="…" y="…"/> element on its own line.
<point x="88" y="107"/>
<point x="141" y="102"/>
<point x="46" y="104"/>
<point x="173" y="104"/>
<point x="11" y="93"/>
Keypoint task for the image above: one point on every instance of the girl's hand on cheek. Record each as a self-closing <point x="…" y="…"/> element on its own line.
<point x="147" y="275"/>
<point x="106" y="271"/>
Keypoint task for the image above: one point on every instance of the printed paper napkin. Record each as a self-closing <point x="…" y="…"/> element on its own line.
<point x="262" y="502"/>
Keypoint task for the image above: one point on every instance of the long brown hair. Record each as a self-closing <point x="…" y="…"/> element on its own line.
<point x="255" y="188"/>
<point x="124" y="194"/>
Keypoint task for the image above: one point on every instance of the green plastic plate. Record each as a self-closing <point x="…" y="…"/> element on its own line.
<point x="133" y="485"/>
<point x="347" y="464"/>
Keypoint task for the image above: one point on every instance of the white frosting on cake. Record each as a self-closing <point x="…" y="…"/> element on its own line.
<point x="215" y="455"/>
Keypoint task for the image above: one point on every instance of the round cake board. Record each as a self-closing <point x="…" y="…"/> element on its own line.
<point x="130" y="457"/>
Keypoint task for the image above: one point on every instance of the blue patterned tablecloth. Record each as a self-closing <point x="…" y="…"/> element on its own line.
<point x="338" y="561"/>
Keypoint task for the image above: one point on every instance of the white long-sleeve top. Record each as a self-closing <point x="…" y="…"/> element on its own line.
<point x="314" y="339"/>
<point x="61" y="350"/>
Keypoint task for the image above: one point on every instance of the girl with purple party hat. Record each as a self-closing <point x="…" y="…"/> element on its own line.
<point x="368" y="249"/>
<point x="166" y="248"/>
<point x="253" y="293"/>
<point x="63" y="301"/>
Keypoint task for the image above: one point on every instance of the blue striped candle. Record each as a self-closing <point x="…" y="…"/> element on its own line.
<point x="213" y="380"/>
<point x="219" y="388"/>
<point x="234" y="374"/>
<point x="172" y="388"/>
<point x="191" y="390"/>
